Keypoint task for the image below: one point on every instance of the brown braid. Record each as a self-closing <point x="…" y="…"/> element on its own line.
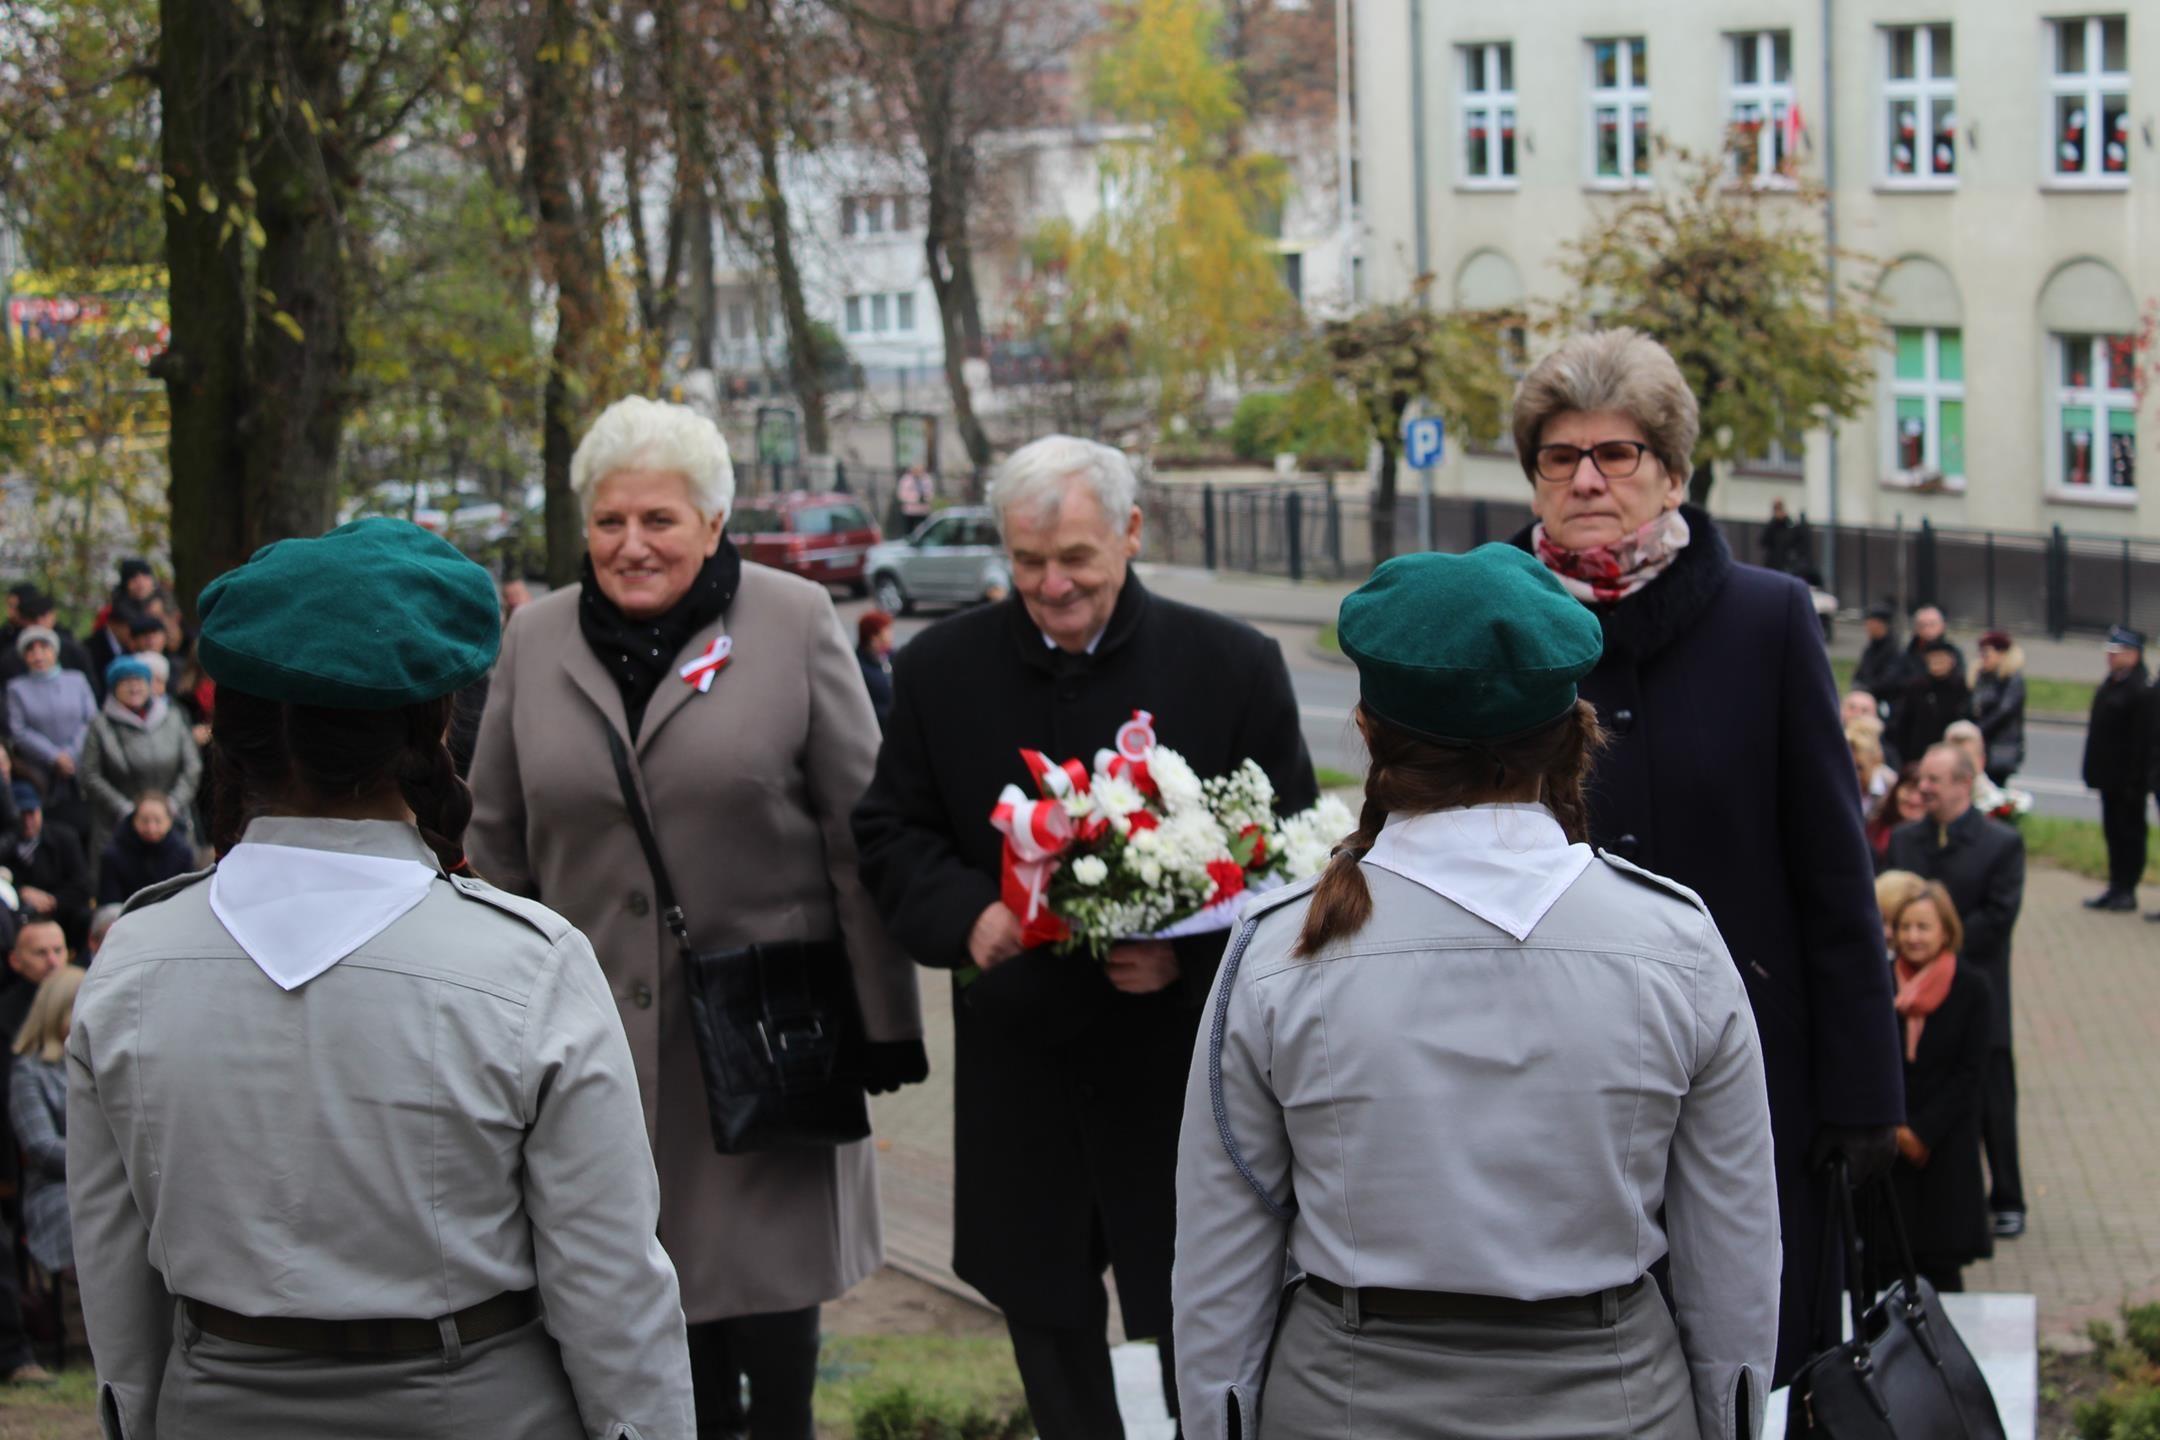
<point x="1411" y="775"/>
<point x="428" y="779"/>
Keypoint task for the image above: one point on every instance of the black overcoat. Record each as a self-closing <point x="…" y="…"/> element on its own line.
<point x="1945" y="1201"/>
<point x="1068" y="1093"/>
<point x="2119" y="734"/>
<point x="1881" y="669"/>
<point x="1981" y="862"/>
<point x="1728" y="771"/>
<point x="60" y="868"/>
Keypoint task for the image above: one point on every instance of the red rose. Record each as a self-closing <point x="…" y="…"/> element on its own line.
<point x="1229" y="878"/>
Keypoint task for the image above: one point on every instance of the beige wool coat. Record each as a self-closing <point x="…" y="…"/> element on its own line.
<point x="749" y="786"/>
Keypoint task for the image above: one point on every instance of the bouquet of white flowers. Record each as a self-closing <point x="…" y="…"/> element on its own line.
<point x="1137" y="846"/>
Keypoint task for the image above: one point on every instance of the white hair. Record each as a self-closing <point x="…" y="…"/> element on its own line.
<point x="1037" y="473"/>
<point x="160" y="667"/>
<point x="637" y="433"/>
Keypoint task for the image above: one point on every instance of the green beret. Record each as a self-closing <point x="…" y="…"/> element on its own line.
<point x="371" y="616"/>
<point x="1483" y="646"/>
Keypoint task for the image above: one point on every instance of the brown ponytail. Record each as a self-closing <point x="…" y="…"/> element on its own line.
<point x="1411" y="775"/>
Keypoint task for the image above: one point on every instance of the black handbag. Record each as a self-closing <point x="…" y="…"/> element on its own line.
<point x="1905" y="1374"/>
<point x="779" y="1032"/>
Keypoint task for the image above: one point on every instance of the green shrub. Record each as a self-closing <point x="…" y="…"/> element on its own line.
<point x="1257" y="427"/>
<point x="901" y="1413"/>
<point x="2141" y="1328"/>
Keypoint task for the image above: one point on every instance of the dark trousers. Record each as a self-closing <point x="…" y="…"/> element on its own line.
<point x="2122" y="823"/>
<point x="1071" y="1390"/>
<point x="14" y="1343"/>
<point x="1998" y="1131"/>
<point x="1947" y="1279"/>
<point x="777" y="1353"/>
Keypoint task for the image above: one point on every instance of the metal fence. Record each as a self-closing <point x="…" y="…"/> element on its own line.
<point x="2057" y="582"/>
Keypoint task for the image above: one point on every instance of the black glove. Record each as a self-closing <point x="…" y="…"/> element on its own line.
<point x="1869" y="1150"/>
<point x="890" y="1064"/>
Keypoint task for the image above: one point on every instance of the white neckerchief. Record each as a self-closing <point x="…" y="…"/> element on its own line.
<point x="297" y="912"/>
<point x="1505" y="864"/>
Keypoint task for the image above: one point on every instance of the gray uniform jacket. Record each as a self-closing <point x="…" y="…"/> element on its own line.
<point x="447" y="1113"/>
<point x="1456" y="1110"/>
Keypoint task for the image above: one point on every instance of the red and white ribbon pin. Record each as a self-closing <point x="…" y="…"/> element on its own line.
<point x="700" y="672"/>
<point x="1136" y="737"/>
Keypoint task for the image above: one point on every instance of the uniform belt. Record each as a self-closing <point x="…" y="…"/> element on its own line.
<point x="356" y="1338"/>
<point x="1447" y="1305"/>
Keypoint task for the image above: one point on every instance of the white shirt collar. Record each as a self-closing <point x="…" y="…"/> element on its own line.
<point x="1505" y="864"/>
<point x="298" y="911"/>
<point x="1049" y="644"/>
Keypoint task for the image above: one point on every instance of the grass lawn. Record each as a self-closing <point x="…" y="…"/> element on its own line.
<point x="66" y="1411"/>
<point x="2076" y="846"/>
<point x="2053" y="697"/>
<point x="1332" y="779"/>
<point x="1324" y="637"/>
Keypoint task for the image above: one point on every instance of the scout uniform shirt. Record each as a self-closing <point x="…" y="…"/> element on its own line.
<point x="1531" y="1074"/>
<point x="327" y="1081"/>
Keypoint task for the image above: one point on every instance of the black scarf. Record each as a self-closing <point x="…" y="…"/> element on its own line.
<point x="642" y="653"/>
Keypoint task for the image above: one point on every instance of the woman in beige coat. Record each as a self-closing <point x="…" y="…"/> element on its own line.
<point x="749" y="771"/>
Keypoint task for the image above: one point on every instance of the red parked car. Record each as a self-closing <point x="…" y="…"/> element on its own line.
<point x="819" y="537"/>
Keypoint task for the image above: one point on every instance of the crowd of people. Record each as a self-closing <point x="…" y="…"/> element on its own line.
<point x="478" y="1108"/>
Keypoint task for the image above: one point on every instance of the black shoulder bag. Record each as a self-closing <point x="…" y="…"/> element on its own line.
<point x="779" y="1033"/>
<point x="1905" y="1374"/>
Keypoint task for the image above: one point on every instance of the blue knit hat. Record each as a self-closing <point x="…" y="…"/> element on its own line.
<point x="127" y="667"/>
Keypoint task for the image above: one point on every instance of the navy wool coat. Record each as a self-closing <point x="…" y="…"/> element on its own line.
<point x="1067" y="1093"/>
<point x="1728" y="772"/>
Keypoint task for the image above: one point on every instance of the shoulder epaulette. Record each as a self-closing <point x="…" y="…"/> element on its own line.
<point x="164" y="889"/>
<point x="1646" y="877"/>
<point x="532" y="912"/>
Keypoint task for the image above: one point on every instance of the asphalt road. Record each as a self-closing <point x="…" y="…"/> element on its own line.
<point x="1326" y="691"/>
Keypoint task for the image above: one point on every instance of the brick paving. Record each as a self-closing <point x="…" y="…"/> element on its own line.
<point x="2088" y="1045"/>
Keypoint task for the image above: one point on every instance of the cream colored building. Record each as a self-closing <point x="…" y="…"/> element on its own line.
<point x="1996" y="157"/>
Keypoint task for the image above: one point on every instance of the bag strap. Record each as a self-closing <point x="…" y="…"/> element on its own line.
<point x="1281" y="1209"/>
<point x="669" y="910"/>
<point x="1855" y="1258"/>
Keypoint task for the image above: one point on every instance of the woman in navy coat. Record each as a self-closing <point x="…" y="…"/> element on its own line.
<point x="1727" y="769"/>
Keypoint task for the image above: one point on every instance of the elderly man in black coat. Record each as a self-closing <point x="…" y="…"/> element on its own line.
<point x="1981" y="862"/>
<point x="2119" y="763"/>
<point x="1070" y="1075"/>
<point x="1728" y="769"/>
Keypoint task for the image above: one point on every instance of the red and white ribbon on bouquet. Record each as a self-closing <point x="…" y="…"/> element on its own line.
<point x="1058" y="782"/>
<point x="700" y="672"/>
<point x="1036" y="832"/>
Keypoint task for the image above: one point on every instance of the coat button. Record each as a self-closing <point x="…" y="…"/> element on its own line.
<point x="642" y="997"/>
<point x="638" y="903"/>
<point x="1626" y="846"/>
<point x="1623" y="721"/>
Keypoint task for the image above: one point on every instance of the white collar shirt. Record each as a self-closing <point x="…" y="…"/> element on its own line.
<point x="1505" y="864"/>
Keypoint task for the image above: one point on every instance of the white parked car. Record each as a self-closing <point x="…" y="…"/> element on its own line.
<point x="953" y="558"/>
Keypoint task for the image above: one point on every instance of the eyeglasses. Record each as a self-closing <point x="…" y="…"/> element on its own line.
<point x="1614" y="459"/>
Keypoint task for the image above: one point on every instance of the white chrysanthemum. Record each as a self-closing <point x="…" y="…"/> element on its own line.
<point x="1079" y="807"/>
<point x="1150" y="871"/>
<point x="1308" y="838"/>
<point x="1090" y="870"/>
<point x="1179" y="786"/>
<point x="1115" y="798"/>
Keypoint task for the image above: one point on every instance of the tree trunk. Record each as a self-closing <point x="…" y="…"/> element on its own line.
<point x="1699" y="483"/>
<point x="204" y="367"/>
<point x="301" y="354"/>
<point x="704" y="302"/>
<point x="1383" y="504"/>
<point x="768" y="124"/>
<point x="952" y="270"/>
<point x="553" y="116"/>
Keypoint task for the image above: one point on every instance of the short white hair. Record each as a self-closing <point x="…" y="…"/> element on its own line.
<point x="1037" y="473"/>
<point x="160" y="667"/>
<point x="637" y="433"/>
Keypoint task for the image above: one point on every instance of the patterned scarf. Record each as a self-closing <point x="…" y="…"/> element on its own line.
<point x="1920" y="992"/>
<point x="641" y="653"/>
<point x="1607" y="574"/>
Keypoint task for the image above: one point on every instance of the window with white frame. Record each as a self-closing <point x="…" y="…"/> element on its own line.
<point x="1762" y="116"/>
<point x="1920" y="102"/>
<point x="880" y="313"/>
<point x="1488" y="114"/>
<point x="1785" y="455"/>
<point x="1619" y="111"/>
<point x="865" y="215"/>
<point x="2096" y="413"/>
<point x="2089" y="88"/>
<point x="1927" y="406"/>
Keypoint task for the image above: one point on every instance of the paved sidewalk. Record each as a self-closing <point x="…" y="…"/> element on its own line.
<point x="2088" y="1036"/>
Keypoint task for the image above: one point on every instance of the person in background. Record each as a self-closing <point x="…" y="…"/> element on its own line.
<point x="1578" y="1022"/>
<point x="873" y="652"/>
<point x="2119" y="740"/>
<point x="49" y="865"/>
<point x="101" y="923"/>
<point x="1944" y="1008"/>
<point x="113" y="636"/>
<point x="1746" y="798"/>
<point x="1935" y="699"/>
<point x="1981" y="862"/>
<point x="1069" y="1079"/>
<point x="37" y="608"/>
<point x="39" y="950"/>
<point x="1860" y="707"/>
<point x="1892" y="889"/>
<point x="1875" y="778"/>
<point x="516" y="595"/>
<point x="139" y="586"/>
<point x="37" y="1110"/>
<point x="138" y="743"/>
<point x="750" y="768"/>
<point x="1880" y="668"/>
<point x="153" y="630"/>
<point x="1998" y="704"/>
<point x="1777" y="540"/>
<point x="160" y="667"/>
<point x="1988" y="797"/>
<point x="49" y="713"/>
<point x="1928" y="628"/>
<point x="146" y="851"/>
<point x="1902" y="806"/>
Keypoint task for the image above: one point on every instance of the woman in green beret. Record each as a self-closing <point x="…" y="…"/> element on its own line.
<point x="354" y="1145"/>
<point x="1473" y="1081"/>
